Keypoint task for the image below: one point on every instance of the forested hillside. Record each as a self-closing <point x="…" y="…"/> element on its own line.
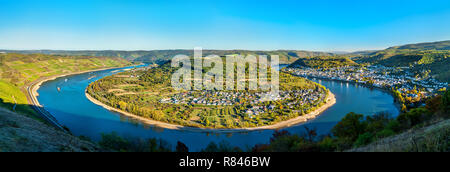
<point x="423" y="58"/>
<point x="324" y="62"/>
<point x="442" y="45"/>
<point x="155" y="56"/>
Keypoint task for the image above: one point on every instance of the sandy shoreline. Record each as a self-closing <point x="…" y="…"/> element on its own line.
<point x="331" y="100"/>
<point x="31" y="93"/>
<point x="37" y="84"/>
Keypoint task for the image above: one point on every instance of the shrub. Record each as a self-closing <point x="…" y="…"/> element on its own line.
<point x="364" y="139"/>
<point x="113" y="142"/>
<point x="413" y="117"/>
<point x="385" y="133"/>
<point x="350" y="127"/>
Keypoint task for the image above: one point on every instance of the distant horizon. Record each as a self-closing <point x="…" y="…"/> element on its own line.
<point x="133" y="25"/>
<point x="337" y="51"/>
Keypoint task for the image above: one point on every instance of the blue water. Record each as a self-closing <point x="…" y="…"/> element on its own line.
<point x="73" y="110"/>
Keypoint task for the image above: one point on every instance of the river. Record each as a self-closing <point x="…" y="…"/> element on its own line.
<point x="73" y="110"/>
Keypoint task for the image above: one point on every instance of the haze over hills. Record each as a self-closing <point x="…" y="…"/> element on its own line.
<point x="441" y="45"/>
<point x="287" y="56"/>
<point x="154" y="56"/>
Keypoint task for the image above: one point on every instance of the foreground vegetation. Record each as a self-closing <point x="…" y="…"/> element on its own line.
<point x="324" y="62"/>
<point x="18" y="70"/>
<point x="423" y="59"/>
<point x="355" y="130"/>
<point x="19" y="133"/>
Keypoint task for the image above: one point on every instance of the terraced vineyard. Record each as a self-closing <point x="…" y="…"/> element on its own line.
<point x="18" y="70"/>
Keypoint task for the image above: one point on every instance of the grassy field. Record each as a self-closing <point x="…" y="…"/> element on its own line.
<point x="17" y="70"/>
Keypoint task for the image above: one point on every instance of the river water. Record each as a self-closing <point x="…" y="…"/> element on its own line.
<point x="73" y="110"/>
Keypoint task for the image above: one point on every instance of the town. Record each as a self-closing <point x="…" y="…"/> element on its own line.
<point x="296" y="100"/>
<point x="410" y="85"/>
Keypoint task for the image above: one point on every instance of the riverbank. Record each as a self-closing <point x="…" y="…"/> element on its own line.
<point x="331" y="100"/>
<point x="397" y="104"/>
<point x="31" y="94"/>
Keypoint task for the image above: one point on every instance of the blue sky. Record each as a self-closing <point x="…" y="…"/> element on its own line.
<point x="320" y="25"/>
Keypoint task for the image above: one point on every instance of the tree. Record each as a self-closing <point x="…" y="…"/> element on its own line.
<point x="434" y="104"/>
<point x="404" y="108"/>
<point x="277" y="133"/>
<point x="414" y="117"/>
<point x="350" y="127"/>
<point x="311" y="133"/>
<point x="181" y="147"/>
<point x="212" y="147"/>
<point x="123" y="105"/>
<point x="113" y="142"/>
<point x="364" y="139"/>
<point x="377" y="122"/>
<point x="446" y="101"/>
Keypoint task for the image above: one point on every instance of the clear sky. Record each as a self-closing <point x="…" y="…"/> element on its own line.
<point x="320" y="25"/>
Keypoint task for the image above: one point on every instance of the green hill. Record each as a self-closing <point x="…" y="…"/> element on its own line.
<point x="286" y="56"/>
<point x="442" y="45"/>
<point x="421" y="62"/>
<point x="424" y="58"/>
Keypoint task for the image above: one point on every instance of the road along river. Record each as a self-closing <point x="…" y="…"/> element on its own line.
<point x="71" y="108"/>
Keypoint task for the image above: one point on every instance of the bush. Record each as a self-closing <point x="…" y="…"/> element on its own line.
<point x="446" y="101"/>
<point x="223" y="146"/>
<point x="394" y="125"/>
<point x="413" y="117"/>
<point x="364" y="139"/>
<point x="181" y="147"/>
<point x="378" y="122"/>
<point x="350" y="127"/>
<point x="113" y="142"/>
<point x="385" y="133"/>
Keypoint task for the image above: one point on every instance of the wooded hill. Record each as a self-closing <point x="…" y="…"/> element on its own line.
<point x="155" y="56"/>
<point x="421" y="58"/>
<point x="324" y="62"/>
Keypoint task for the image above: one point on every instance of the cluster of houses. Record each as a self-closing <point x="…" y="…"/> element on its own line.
<point x="291" y="99"/>
<point x="377" y="76"/>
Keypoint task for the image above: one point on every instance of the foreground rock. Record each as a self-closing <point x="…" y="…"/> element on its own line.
<point x="19" y="133"/>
